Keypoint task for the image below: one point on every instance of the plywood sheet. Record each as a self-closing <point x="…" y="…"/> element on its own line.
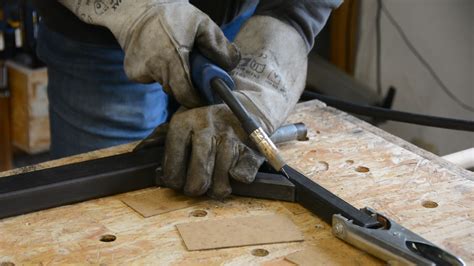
<point x="241" y="231"/>
<point x="158" y="201"/>
<point x="401" y="178"/>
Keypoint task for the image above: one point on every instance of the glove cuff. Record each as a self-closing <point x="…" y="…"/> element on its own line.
<point x="272" y="72"/>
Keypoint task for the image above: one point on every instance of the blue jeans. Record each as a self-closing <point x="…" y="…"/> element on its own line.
<point x="92" y="103"/>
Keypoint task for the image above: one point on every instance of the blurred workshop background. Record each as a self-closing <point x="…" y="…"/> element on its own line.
<point x="408" y="55"/>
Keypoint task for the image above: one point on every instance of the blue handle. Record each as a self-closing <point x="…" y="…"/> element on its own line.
<point x="202" y="72"/>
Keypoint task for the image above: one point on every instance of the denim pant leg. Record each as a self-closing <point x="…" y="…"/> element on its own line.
<point x="92" y="103"/>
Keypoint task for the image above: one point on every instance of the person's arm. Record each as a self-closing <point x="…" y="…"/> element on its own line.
<point x="274" y="46"/>
<point x="308" y="17"/>
<point x="157" y="37"/>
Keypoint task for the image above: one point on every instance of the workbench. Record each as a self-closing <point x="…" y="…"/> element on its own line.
<point x="358" y="162"/>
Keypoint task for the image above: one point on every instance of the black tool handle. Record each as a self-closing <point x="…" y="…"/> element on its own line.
<point x="220" y="88"/>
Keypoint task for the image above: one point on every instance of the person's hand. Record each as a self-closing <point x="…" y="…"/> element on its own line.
<point x="204" y="148"/>
<point x="157" y="37"/>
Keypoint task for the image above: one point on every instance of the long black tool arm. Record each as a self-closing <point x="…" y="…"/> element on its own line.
<point x="225" y="93"/>
<point x="324" y="203"/>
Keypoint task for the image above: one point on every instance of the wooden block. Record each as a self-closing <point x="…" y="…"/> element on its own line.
<point x="158" y="201"/>
<point x="5" y="143"/>
<point x="241" y="231"/>
<point x="29" y="105"/>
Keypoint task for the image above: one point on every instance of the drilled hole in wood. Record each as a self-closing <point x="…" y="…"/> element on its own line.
<point x="322" y="166"/>
<point x="350" y="162"/>
<point x="362" y="169"/>
<point x="260" y="252"/>
<point x="108" y="238"/>
<point x="198" y="213"/>
<point x="7" y="263"/>
<point x="429" y="204"/>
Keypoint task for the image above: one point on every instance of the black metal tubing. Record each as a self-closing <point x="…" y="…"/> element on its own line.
<point x="77" y="182"/>
<point x="325" y="204"/>
<point x="387" y="114"/>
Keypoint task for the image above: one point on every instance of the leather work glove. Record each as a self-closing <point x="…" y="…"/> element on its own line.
<point x="207" y="146"/>
<point x="157" y="37"/>
<point x="204" y="147"/>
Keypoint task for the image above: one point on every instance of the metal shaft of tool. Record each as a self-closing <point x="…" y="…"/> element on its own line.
<point x="263" y="142"/>
<point x="290" y="132"/>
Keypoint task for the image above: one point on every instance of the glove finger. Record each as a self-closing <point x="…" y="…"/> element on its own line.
<point x="175" y="78"/>
<point x="226" y="157"/>
<point x="213" y="44"/>
<point x="247" y="165"/>
<point x="177" y="149"/>
<point x="201" y="163"/>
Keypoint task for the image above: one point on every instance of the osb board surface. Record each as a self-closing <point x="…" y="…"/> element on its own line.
<point x="397" y="183"/>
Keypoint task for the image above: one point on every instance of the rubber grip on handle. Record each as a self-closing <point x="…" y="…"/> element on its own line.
<point x="202" y="72"/>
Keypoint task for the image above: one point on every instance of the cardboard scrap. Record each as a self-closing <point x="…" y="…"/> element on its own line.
<point x="306" y="257"/>
<point x="241" y="231"/>
<point x="278" y="262"/>
<point x="158" y="201"/>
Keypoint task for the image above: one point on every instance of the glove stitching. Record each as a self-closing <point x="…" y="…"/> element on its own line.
<point x="145" y="16"/>
<point x="178" y="47"/>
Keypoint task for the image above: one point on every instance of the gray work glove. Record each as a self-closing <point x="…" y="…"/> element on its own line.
<point x="157" y="37"/>
<point x="206" y="146"/>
